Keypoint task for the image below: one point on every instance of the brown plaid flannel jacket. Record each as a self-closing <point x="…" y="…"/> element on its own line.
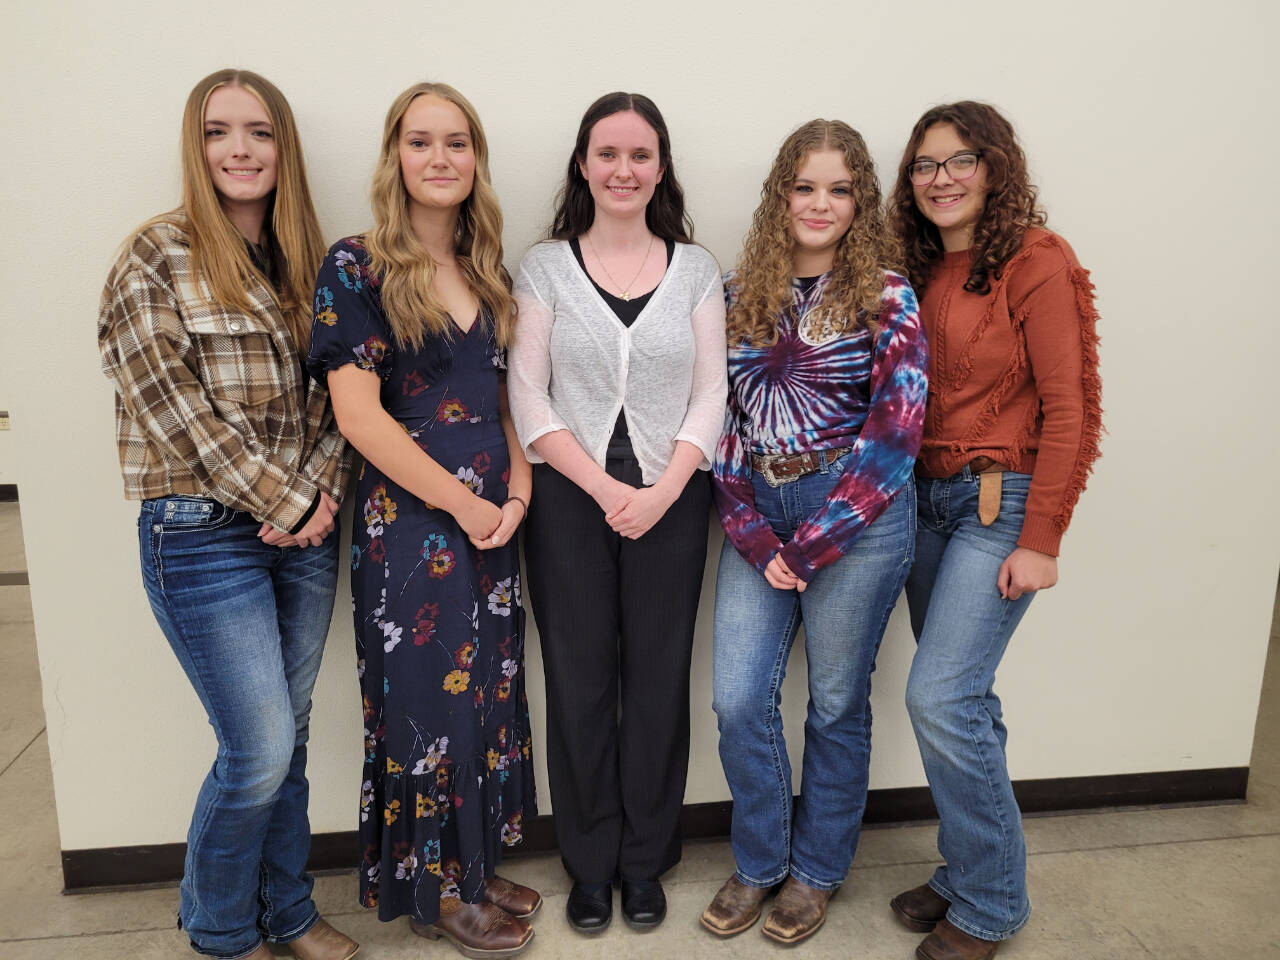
<point x="209" y="400"/>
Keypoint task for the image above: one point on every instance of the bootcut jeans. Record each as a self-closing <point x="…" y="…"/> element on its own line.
<point x="962" y="627"/>
<point x="247" y="622"/>
<point x="844" y="610"/>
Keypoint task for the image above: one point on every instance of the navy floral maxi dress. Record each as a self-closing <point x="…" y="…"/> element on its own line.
<point x="439" y="627"/>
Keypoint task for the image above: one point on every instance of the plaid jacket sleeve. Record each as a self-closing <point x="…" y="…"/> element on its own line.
<point x="328" y="465"/>
<point x="164" y="375"/>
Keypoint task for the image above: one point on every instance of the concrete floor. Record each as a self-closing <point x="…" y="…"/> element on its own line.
<point x="1169" y="883"/>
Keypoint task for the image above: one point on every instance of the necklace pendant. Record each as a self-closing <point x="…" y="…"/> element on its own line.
<point x="626" y="295"/>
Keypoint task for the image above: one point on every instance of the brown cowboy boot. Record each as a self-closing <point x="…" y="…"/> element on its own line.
<point x="951" y="943"/>
<point x="920" y="908"/>
<point x="323" y="942"/>
<point x="478" y="930"/>
<point x="736" y="907"/>
<point x="797" y="913"/>
<point x="519" y="901"/>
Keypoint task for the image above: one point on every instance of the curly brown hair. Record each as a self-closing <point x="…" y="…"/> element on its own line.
<point x="863" y="254"/>
<point x="1009" y="209"/>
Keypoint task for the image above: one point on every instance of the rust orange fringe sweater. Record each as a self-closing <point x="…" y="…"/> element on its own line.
<point x="1013" y="375"/>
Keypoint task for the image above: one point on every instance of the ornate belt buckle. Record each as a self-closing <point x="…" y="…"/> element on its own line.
<point x="766" y="469"/>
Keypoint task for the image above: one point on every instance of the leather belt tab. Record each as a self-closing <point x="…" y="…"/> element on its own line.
<point x="989" y="484"/>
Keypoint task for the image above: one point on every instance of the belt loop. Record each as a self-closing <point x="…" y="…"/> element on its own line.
<point x="822" y="462"/>
<point x="966" y="474"/>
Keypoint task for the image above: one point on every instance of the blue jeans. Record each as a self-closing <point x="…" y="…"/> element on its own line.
<point x="962" y="626"/>
<point x="844" y="610"/>
<point x="248" y="623"/>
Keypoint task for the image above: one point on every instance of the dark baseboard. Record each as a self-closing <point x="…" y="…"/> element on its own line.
<point x="114" y="867"/>
<point x="8" y="493"/>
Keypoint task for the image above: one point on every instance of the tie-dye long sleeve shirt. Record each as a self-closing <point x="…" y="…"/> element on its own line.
<point x="813" y="391"/>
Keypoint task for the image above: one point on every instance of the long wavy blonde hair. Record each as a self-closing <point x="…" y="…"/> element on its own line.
<point x="861" y="257"/>
<point x="406" y="269"/>
<point x="218" y="252"/>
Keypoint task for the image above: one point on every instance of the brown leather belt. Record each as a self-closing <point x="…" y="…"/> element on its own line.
<point x="780" y="468"/>
<point x="985" y="465"/>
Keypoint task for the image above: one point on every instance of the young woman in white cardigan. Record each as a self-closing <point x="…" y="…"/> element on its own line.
<point x="617" y="385"/>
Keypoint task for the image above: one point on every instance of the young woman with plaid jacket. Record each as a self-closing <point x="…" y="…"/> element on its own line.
<point x="236" y="458"/>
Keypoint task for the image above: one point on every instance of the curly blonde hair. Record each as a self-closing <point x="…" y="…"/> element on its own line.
<point x="406" y="268"/>
<point x="1009" y="209"/>
<point x="863" y="254"/>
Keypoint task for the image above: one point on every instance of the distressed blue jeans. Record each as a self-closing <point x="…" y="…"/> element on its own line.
<point x="248" y="623"/>
<point x="844" y="611"/>
<point x="962" y="627"/>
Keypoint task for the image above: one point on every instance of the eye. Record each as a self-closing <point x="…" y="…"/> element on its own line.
<point x="802" y="188"/>
<point x="640" y="157"/>
<point x="417" y="143"/>
<point x="605" y="154"/>
<point x="841" y="191"/>
<point x="263" y="134"/>
<point x="214" y="132"/>
<point x="458" y="144"/>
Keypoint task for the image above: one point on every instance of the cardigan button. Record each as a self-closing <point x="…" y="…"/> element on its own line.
<point x="234" y="325"/>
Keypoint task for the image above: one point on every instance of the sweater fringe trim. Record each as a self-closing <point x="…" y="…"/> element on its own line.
<point x="1092" y="428"/>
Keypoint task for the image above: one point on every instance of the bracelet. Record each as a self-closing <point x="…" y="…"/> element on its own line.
<point x="520" y="500"/>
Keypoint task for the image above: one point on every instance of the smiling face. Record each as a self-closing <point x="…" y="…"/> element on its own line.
<point x="622" y="165"/>
<point x="437" y="155"/>
<point x="820" y="210"/>
<point x="239" y="148"/>
<point x="953" y="206"/>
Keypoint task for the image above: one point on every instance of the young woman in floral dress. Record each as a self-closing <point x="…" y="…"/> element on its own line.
<point x="410" y="325"/>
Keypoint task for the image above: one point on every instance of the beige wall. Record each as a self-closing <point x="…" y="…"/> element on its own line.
<point x="1138" y="122"/>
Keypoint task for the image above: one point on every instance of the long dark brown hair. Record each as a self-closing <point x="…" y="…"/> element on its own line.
<point x="1009" y="209"/>
<point x="665" y="215"/>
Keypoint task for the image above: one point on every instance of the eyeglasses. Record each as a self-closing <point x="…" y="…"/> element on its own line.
<point x="962" y="166"/>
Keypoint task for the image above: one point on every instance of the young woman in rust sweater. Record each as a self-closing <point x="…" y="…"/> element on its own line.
<point x="1011" y="430"/>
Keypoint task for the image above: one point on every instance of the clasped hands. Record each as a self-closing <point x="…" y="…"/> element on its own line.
<point x="780" y="577"/>
<point x="632" y="511"/>
<point x="488" y="525"/>
<point x="313" y="532"/>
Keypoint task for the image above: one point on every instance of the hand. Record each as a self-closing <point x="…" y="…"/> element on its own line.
<point x="612" y="495"/>
<point x="512" y="517"/>
<point x="780" y="577"/>
<point x="1024" y="571"/>
<point x="479" y="519"/>
<point x="274" y="537"/>
<point x="640" y="512"/>
<point x="312" y="533"/>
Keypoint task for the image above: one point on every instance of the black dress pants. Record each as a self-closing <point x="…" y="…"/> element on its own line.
<point x="615" y="619"/>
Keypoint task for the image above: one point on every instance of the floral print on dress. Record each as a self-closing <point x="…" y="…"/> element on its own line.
<point x="324" y="307"/>
<point x="448" y="774"/>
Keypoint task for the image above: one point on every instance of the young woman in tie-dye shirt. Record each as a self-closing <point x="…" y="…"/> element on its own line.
<point x="812" y="479"/>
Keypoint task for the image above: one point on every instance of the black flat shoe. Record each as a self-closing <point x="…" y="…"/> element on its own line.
<point x="644" y="905"/>
<point x="590" y="907"/>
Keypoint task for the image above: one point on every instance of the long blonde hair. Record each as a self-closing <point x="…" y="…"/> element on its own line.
<point x="218" y="251"/>
<point x="404" y="265"/>
<point x="863" y="254"/>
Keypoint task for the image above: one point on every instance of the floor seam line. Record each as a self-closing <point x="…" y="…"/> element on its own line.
<point x="23" y="750"/>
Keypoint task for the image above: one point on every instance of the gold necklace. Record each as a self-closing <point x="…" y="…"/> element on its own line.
<point x="626" y="291"/>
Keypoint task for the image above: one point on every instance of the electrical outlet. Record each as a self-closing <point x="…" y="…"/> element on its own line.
<point x="4" y="419"/>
